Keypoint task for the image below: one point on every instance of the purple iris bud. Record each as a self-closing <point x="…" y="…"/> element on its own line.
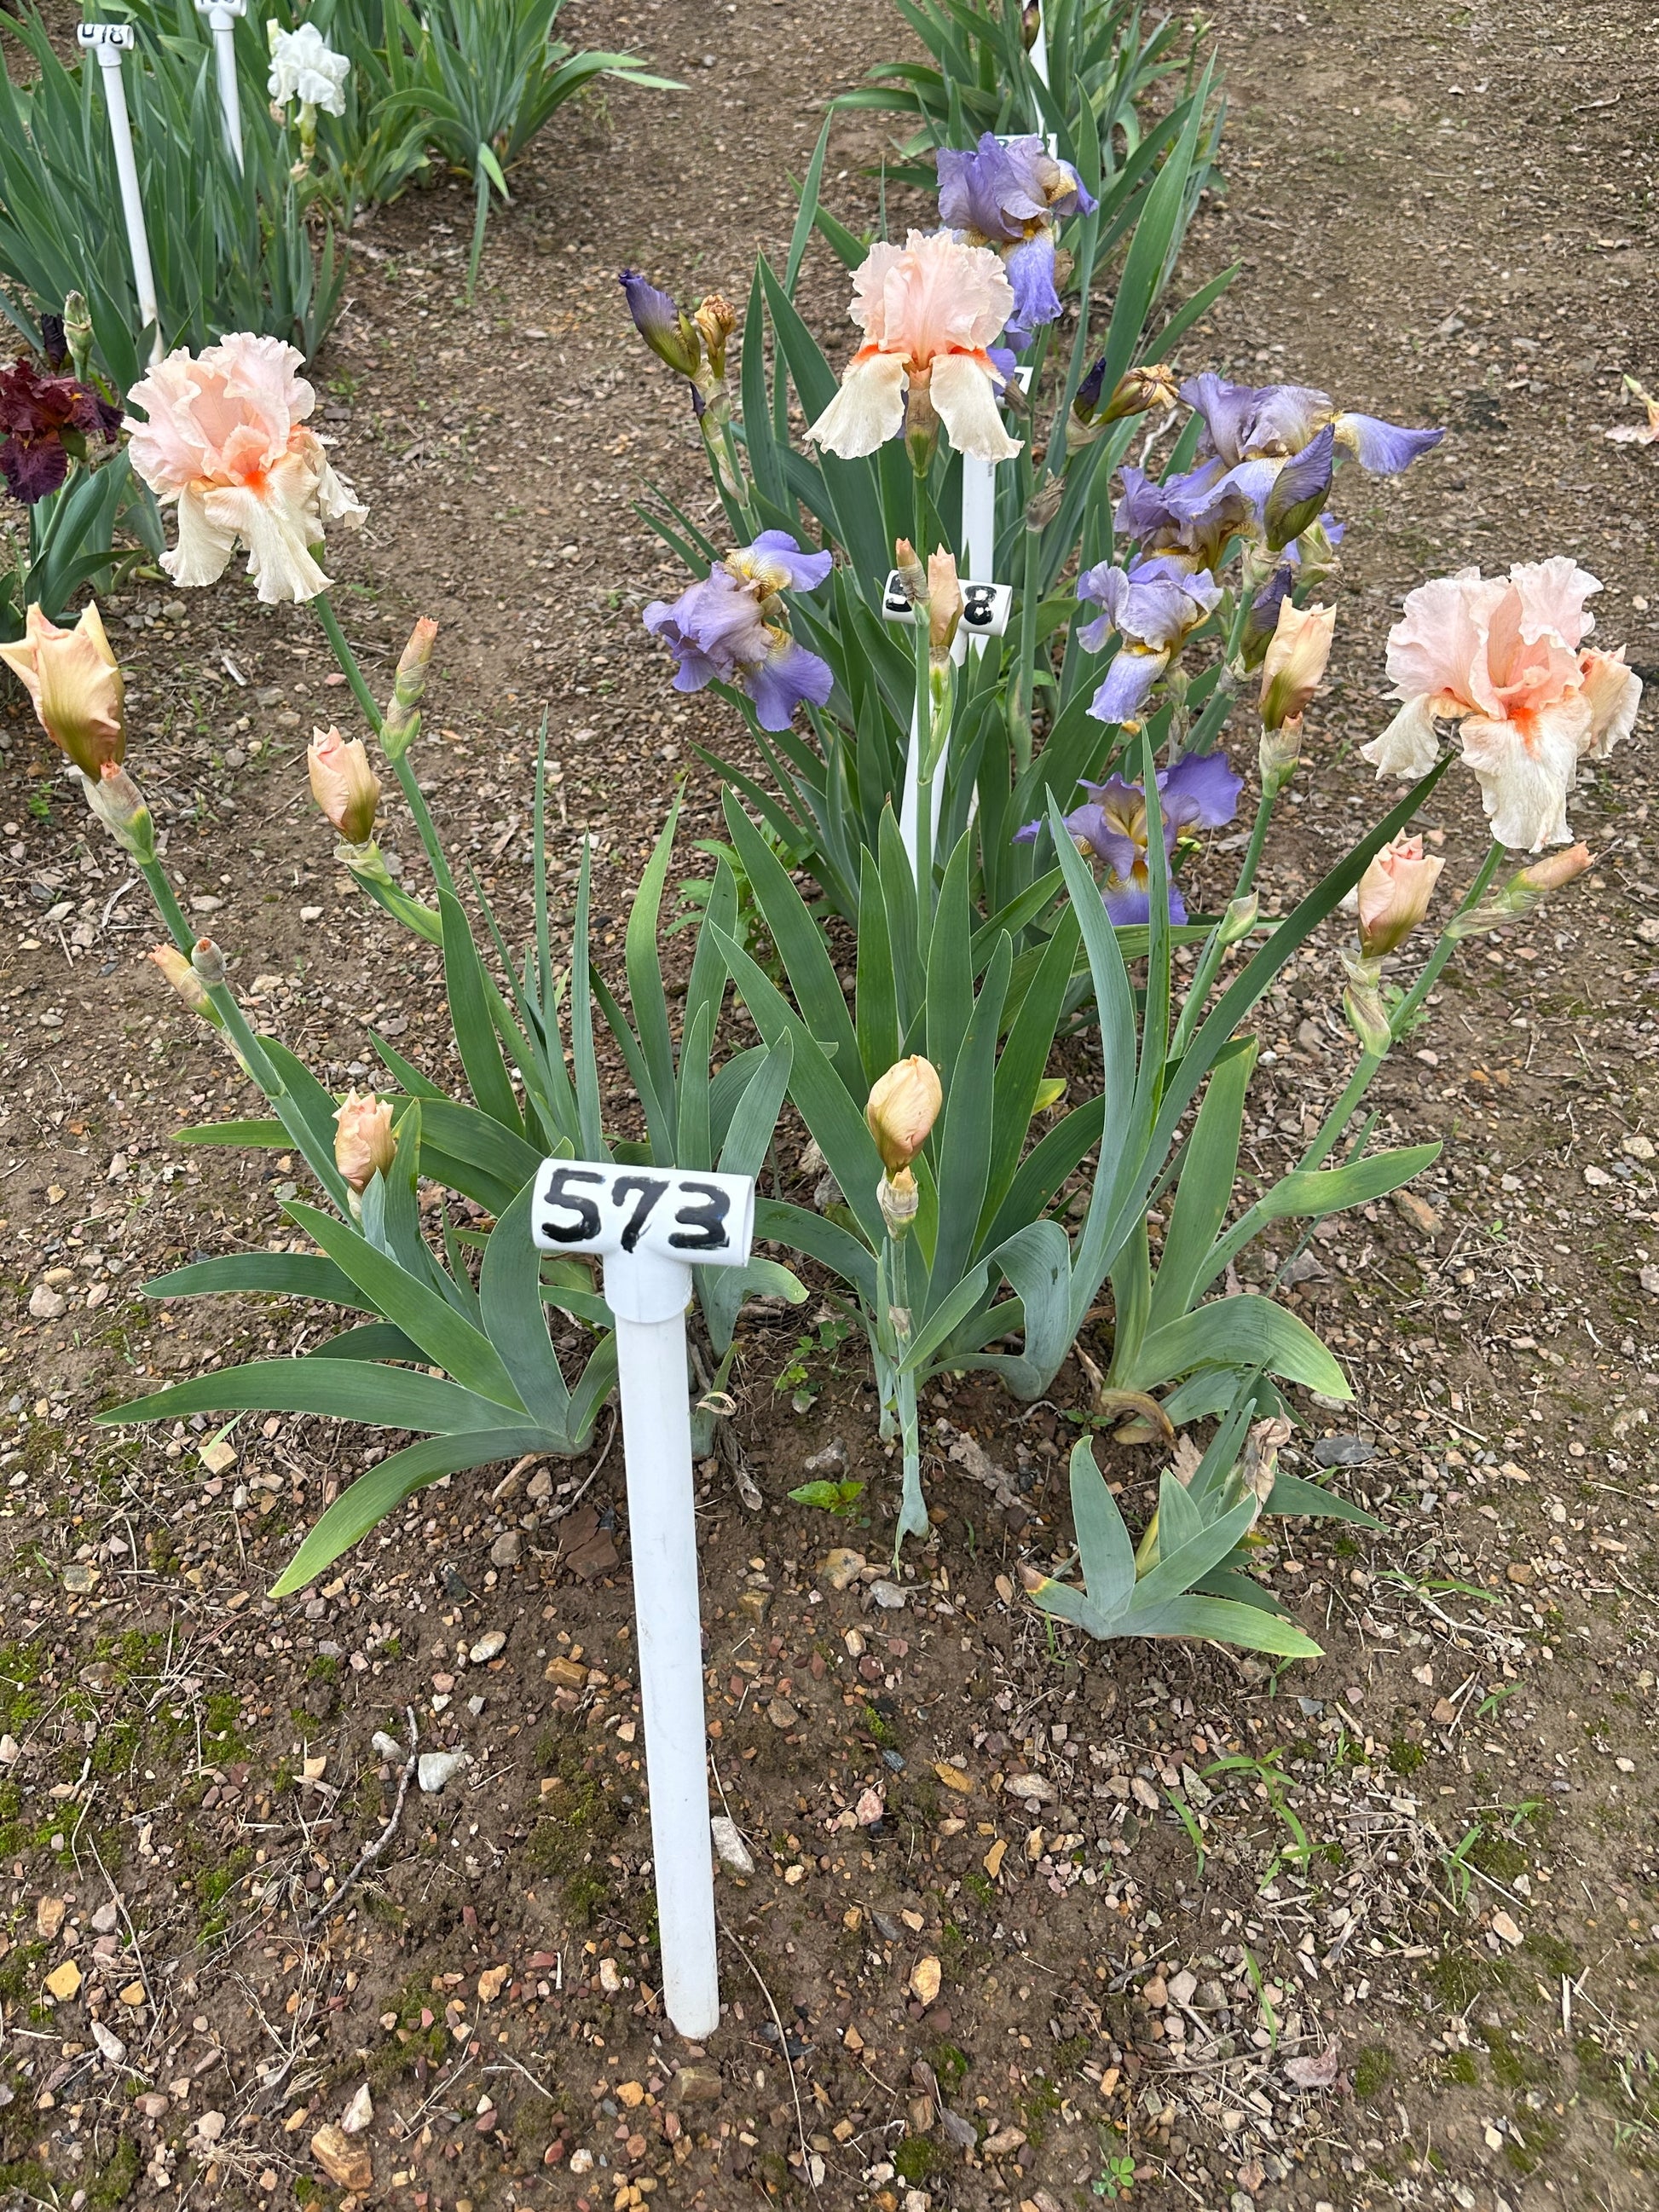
<point x="54" y="346"/>
<point x="1298" y="492"/>
<point x="671" y="334"/>
<point x="1261" y="619"/>
<point x="1384" y="448"/>
<point x="1089" y="391"/>
<point x="728" y="628"/>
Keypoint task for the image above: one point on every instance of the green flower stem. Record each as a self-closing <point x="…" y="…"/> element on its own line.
<point x="1336" y="1121"/>
<point x="1022" y="688"/>
<point x="256" y="1061"/>
<point x="913" y="1509"/>
<point x="1210" y="959"/>
<point x="323" y="608"/>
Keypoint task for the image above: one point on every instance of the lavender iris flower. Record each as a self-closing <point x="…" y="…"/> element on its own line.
<point x="1009" y="194"/>
<point x="1199" y="792"/>
<point x="729" y="628"/>
<point x="1189" y="518"/>
<point x="1154" y="607"/>
<point x="1246" y="423"/>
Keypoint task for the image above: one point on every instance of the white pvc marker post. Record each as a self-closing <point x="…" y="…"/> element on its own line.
<point x="221" y="22"/>
<point x="109" y="41"/>
<point x="985" y="608"/>
<point x="649" y="1227"/>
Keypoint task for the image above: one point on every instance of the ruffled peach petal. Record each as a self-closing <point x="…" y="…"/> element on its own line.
<point x="867" y="410"/>
<point x="964" y="394"/>
<point x="1614" y="693"/>
<point x="1440" y="642"/>
<point x="204" y="545"/>
<point x="1526" y="771"/>
<point x="1409" y="747"/>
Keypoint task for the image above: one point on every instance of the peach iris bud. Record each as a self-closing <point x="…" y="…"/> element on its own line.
<point x="186" y="982"/>
<point x="943" y="604"/>
<point x="1556" y="869"/>
<point x="72" y="678"/>
<point x="364" y="1146"/>
<point x="1393" y="895"/>
<point x="343" y="784"/>
<point x="1523" y="892"/>
<point x="902" y="1107"/>
<point x="403" y="723"/>
<point x="1296" y="660"/>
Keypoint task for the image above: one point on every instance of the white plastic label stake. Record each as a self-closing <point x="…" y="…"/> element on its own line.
<point x="221" y="22"/>
<point x="109" y="41"/>
<point x="985" y="609"/>
<point x="649" y="1227"/>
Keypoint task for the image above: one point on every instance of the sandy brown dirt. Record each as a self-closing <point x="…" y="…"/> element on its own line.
<point x="1438" y="1875"/>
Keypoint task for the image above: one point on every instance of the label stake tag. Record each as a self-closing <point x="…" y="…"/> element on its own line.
<point x="984" y="607"/>
<point x="598" y="1206"/>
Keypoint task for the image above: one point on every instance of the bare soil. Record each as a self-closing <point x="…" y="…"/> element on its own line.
<point x="1401" y="1952"/>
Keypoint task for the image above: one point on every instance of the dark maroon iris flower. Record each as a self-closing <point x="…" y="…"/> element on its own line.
<point x="47" y="421"/>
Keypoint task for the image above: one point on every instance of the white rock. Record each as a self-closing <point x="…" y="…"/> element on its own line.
<point x="434" y="1768"/>
<point x="387" y="1747"/>
<point x="488" y="1646"/>
<point x="581" y="2162"/>
<point x="10" y="1750"/>
<point x="729" y="1844"/>
<point x="211" y="2126"/>
<point x="887" y="1595"/>
<point x="45" y="1302"/>
<point x="358" y="2113"/>
<point x="108" y="2042"/>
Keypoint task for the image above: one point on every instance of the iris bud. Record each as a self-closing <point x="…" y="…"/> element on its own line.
<point x="1300" y="489"/>
<point x="667" y="330"/>
<point x="902" y="1107"/>
<point x="364" y="1146"/>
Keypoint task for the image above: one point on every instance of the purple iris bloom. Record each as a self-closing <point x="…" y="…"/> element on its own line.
<point x="1030" y="267"/>
<point x="1246" y="423"/>
<point x="1004" y="186"/>
<point x="1199" y="792"/>
<point x="730" y="629"/>
<point x="1154" y="607"/>
<point x="1385" y="448"/>
<point x="1009" y="194"/>
<point x="1189" y="518"/>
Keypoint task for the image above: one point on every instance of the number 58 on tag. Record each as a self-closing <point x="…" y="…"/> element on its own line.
<point x="984" y="606"/>
<point x="701" y="1220"/>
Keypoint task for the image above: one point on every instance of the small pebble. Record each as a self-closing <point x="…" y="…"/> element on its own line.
<point x="436" y="1767"/>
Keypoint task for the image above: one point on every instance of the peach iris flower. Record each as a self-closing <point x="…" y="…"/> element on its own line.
<point x="227" y="440"/>
<point x="1504" y="657"/>
<point x="928" y="310"/>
